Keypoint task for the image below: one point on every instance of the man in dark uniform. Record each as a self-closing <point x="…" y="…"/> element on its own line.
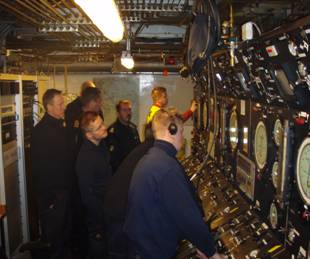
<point x="90" y="100"/>
<point x="93" y="170"/>
<point x="161" y="207"/>
<point x="123" y="134"/>
<point x="52" y="173"/>
<point x="117" y="190"/>
<point x="74" y="109"/>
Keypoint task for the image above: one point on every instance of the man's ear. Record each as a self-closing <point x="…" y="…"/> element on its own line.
<point x="88" y="135"/>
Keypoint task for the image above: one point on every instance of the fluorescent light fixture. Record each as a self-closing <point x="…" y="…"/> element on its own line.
<point x="104" y="14"/>
<point x="127" y="60"/>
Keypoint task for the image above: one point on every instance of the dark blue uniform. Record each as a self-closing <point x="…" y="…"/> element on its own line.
<point x="161" y="207"/>
<point x="52" y="168"/>
<point x="121" y="140"/>
<point x="94" y="171"/>
<point x="115" y="200"/>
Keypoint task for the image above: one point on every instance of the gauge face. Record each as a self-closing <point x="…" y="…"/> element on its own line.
<point x="233" y="130"/>
<point x="205" y="114"/>
<point x="277" y="132"/>
<point x="273" y="216"/>
<point x="260" y="145"/>
<point x="275" y="174"/>
<point x="303" y="170"/>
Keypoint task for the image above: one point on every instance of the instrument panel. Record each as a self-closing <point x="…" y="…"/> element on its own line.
<point x="262" y="146"/>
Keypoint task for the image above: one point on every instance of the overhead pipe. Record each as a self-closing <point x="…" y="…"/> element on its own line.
<point x="26" y="18"/>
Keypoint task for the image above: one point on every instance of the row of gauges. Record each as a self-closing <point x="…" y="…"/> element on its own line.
<point x="274" y="69"/>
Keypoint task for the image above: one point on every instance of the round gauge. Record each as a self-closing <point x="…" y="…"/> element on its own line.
<point x="273" y="216"/>
<point x="277" y="132"/>
<point x="303" y="170"/>
<point x="260" y="145"/>
<point x="205" y="115"/>
<point x="233" y="130"/>
<point x="275" y="174"/>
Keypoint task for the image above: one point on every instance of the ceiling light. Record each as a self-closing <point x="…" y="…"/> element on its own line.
<point x="104" y="14"/>
<point x="127" y="60"/>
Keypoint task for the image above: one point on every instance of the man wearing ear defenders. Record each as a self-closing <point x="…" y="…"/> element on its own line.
<point x="161" y="206"/>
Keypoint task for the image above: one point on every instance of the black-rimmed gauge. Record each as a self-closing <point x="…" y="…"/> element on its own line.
<point x="277" y="132"/>
<point x="260" y="145"/>
<point x="292" y="48"/>
<point x="233" y="130"/>
<point x="275" y="174"/>
<point x="303" y="170"/>
<point x="273" y="216"/>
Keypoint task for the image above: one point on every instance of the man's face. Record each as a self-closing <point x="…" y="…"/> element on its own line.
<point x="163" y="99"/>
<point x="124" y="113"/>
<point x="98" y="130"/>
<point x="57" y="107"/>
<point x="94" y="105"/>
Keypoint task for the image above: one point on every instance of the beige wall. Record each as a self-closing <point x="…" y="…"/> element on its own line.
<point x="137" y="88"/>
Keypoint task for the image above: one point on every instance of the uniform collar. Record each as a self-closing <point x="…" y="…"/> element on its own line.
<point x="166" y="146"/>
<point x="121" y="124"/>
<point x="91" y="145"/>
<point x="53" y="120"/>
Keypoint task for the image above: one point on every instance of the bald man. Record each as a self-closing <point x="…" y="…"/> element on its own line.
<point x="159" y="195"/>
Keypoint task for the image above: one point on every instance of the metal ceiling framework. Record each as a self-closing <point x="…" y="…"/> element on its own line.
<point x="60" y="31"/>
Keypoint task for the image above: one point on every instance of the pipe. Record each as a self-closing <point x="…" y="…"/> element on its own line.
<point x="26" y="17"/>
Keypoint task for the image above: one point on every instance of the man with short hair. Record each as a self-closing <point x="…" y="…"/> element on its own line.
<point x="123" y="134"/>
<point x="52" y="165"/>
<point x="89" y="100"/>
<point x="161" y="206"/>
<point x="160" y="100"/>
<point x="74" y="109"/>
<point x="93" y="171"/>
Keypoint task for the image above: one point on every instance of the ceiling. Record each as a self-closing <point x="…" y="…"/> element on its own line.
<point x="58" y="32"/>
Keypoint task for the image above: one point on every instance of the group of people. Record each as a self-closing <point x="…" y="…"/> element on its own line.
<point x="103" y="193"/>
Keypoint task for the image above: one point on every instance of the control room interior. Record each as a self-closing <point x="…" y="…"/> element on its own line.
<point x="247" y="66"/>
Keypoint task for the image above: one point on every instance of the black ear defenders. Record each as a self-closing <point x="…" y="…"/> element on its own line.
<point x="173" y="128"/>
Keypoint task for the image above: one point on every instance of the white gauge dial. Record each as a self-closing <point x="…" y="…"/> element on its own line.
<point x="303" y="170"/>
<point x="233" y="130"/>
<point x="260" y="145"/>
<point x="277" y="132"/>
<point x="273" y="216"/>
<point x="275" y="174"/>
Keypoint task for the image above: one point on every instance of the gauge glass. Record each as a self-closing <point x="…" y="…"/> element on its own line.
<point x="233" y="130"/>
<point x="303" y="170"/>
<point x="260" y="145"/>
<point x="275" y="174"/>
<point x="273" y="216"/>
<point x="277" y="132"/>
